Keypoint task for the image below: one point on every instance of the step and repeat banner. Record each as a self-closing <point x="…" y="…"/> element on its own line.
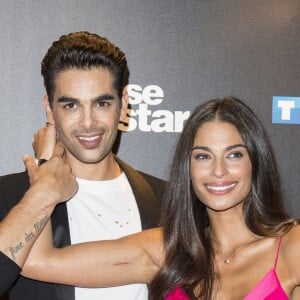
<point x="180" y="54"/>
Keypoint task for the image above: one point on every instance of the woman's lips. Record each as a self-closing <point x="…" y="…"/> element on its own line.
<point x="220" y="188"/>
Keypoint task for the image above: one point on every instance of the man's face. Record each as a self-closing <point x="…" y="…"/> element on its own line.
<point x="86" y="112"/>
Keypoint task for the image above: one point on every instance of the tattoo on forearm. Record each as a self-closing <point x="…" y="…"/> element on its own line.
<point x="29" y="236"/>
<point x="39" y="225"/>
<point x="14" y="250"/>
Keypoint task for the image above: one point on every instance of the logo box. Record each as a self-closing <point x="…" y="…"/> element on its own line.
<point x="286" y="110"/>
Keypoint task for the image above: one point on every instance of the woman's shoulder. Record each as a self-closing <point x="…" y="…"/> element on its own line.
<point x="290" y="251"/>
<point x="292" y="236"/>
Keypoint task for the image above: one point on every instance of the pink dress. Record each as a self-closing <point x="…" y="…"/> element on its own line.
<point x="177" y="294"/>
<point x="268" y="288"/>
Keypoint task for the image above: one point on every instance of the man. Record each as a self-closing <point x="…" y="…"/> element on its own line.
<point x="85" y="77"/>
<point x="50" y="184"/>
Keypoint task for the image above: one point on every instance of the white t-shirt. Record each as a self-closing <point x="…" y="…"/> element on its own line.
<point x="104" y="210"/>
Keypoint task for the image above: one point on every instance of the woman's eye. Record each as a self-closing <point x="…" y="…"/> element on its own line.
<point x="236" y="154"/>
<point x="201" y="156"/>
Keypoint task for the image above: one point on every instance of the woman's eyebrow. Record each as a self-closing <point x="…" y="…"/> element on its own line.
<point x="227" y="148"/>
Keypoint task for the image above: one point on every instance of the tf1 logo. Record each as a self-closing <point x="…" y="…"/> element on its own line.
<point x="286" y="110"/>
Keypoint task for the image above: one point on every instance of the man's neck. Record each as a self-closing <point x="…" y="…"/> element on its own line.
<point x="106" y="169"/>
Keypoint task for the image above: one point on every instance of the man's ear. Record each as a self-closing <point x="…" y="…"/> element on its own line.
<point x="124" y="102"/>
<point x="49" y="113"/>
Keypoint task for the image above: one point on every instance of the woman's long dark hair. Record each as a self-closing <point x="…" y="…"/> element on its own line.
<point x="189" y="261"/>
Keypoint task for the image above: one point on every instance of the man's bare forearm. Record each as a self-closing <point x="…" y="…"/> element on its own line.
<point x="21" y="227"/>
<point x="50" y="184"/>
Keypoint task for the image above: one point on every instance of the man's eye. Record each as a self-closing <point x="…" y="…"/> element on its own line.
<point x="103" y="103"/>
<point x="70" y="106"/>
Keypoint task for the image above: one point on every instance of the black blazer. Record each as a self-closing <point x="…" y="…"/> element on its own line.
<point x="9" y="271"/>
<point x="148" y="192"/>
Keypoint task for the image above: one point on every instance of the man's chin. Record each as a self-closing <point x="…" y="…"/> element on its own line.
<point x="87" y="157"/>
<point x="89" y="160"/>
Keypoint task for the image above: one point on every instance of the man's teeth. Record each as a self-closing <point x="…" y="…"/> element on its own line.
<point x="88" y="138"/>
<point x="221" y="188"/>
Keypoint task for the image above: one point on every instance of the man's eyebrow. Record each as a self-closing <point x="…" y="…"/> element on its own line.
<point x="227" y="148"/>
<point x="104" y="97"/>
<point x="66" y="99"/>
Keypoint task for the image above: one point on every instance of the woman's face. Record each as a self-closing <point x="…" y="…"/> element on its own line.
<point x="220" y="166"/>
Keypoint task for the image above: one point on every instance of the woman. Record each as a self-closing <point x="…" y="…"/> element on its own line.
<point x="224" y="232"/>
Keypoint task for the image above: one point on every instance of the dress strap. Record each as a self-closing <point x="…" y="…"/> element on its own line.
<point x="277" y="252"/>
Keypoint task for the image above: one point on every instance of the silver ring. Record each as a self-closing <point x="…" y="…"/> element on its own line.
<point x="41" y="161"/>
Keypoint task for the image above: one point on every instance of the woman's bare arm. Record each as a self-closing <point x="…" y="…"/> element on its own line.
<point x="132" y="259"/>
<point x="290" y="254"/>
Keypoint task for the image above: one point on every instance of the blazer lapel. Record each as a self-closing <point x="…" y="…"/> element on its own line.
<point x="144" y="195"/>
<point x="61" y="238"/>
